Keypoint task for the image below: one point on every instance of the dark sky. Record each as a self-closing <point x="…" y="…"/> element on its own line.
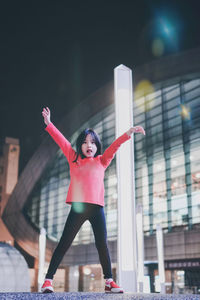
<point x="55" y="53"/>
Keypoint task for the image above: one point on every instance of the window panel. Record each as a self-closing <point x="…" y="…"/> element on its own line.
<point x="178" y="189"/>
<point x="159" y="192"/>
<point x="172" y="94"/>
<point x="195" y="177"/>
<point x="190" y="85"/>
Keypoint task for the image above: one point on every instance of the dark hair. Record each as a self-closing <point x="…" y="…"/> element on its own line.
<point x="80" y="140"/>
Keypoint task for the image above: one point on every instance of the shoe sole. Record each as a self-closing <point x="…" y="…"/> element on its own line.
<point x="112" y="292"/>
<point x="47" y="291"/>
<point x="115" y="292"/>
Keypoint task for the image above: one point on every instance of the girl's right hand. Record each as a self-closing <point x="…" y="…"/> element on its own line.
<point x="46" y="114"/>
<point x="136" y="129"/>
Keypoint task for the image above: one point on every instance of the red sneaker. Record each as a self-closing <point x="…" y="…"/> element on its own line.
<point x="47" y="287"/>
<point x="112" y="287"/>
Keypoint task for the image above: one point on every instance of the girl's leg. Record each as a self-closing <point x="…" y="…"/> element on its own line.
<point x="72" y="226"/>
<point x="98" y="223"/>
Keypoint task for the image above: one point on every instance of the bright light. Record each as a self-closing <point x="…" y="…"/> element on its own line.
<point x="87" y="271"/>
<point x="165" y="35"/>
<point x="185" y="112"/>
<point x="166" y="27"/>
<point x="144" y="95"/>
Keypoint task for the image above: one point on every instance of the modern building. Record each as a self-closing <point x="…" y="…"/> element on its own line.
<point x="167" y="172"/>
<point x="13" y="264"/>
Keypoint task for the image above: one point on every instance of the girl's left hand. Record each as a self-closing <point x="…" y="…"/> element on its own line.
<point x="136" y="129"/>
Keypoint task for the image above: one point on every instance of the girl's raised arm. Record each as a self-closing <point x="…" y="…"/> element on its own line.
<point x="57" y="136"/>
<point x="109" y="153"/>
<point x="47" y="115"/>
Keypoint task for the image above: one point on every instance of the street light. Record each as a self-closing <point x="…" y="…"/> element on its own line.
<point x="127" y="261"/>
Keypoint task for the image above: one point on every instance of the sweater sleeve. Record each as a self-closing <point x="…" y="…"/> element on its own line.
<point x="109" y="153"/>
<point x="61" y="141"/>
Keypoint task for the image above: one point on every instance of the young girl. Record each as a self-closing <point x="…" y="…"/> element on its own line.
<point x="86" y="190"/>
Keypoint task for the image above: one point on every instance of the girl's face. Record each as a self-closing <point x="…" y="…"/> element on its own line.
<point x="89" y="147"/>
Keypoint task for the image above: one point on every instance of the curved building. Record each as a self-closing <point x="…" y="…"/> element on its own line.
<point x="167" y="172"/>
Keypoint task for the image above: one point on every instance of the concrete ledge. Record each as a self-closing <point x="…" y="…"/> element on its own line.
<point x="97" y="296"/>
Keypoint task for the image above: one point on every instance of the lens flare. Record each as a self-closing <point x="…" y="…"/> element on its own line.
<point x="144" y="95"/>
<point x="78" y="207"/>
<point x="166" y="27"/>
<point x="185" y="112"/>
<point x="157" y="47"/>
<point x="87" y="271"/>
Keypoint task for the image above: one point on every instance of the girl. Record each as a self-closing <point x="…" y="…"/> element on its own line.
<point x="86" y="195"/>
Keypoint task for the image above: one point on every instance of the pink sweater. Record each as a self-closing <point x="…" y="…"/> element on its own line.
<point x="87" y="175"/>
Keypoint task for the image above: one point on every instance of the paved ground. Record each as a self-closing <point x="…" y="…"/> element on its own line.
<point x="93" y="296"/>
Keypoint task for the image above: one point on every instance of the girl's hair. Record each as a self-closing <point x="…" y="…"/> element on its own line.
<point x="80" y="140"/>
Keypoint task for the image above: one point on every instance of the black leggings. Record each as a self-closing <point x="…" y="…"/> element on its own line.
<point x="79" y="213"/>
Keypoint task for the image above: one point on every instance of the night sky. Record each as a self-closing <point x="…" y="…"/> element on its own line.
<point x="53" y="53"/>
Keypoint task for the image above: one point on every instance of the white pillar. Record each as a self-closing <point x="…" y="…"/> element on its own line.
<point x="140" y="247"/>
<point x="127" y="261"/>
<point x="160" y="251"/>
<point x="42" y="248"/>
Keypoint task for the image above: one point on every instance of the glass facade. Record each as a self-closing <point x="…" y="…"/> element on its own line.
<point x="167" y="166"/>
<point x="167" y="163"/>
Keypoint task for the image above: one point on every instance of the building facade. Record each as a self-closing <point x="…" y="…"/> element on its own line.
<point x="167" y="172"/>
<point x="9" y="165"/>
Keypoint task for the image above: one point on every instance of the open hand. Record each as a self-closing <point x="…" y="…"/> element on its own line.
<point x="136" y="129"/>
<point x="47" y="115"/>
